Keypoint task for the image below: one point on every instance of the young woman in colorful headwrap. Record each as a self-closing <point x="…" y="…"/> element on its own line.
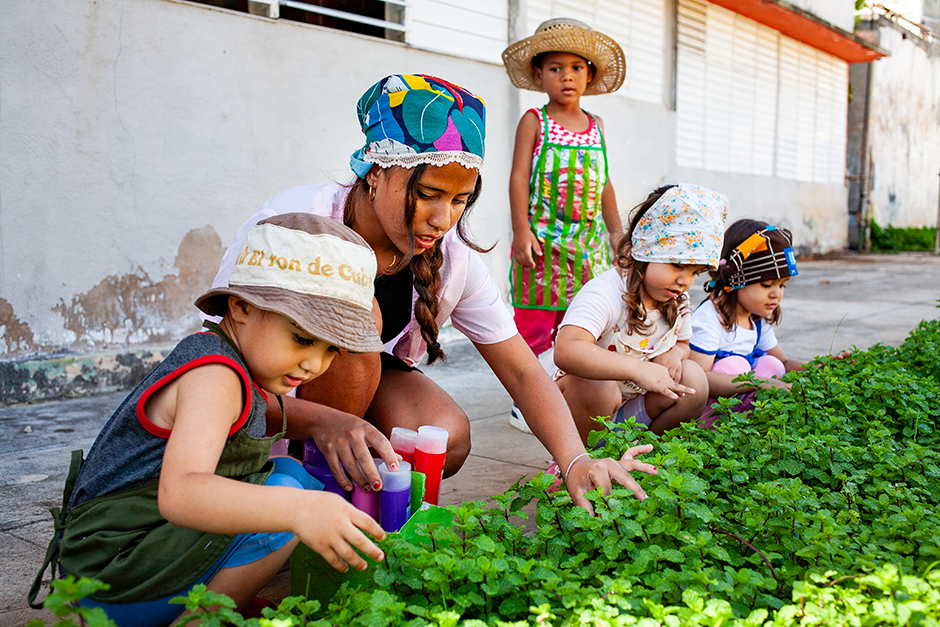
<point x="417" y="176"/>
<point x="623" y="346"/>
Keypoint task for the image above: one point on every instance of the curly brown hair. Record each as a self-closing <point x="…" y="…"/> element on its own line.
<point x="634" y="272"/>
<point x="726" y="302"/>
<point x="426" y="268"/>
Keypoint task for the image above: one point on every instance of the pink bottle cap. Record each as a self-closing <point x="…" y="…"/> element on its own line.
<point x="403" y="439"/>
<point x="395" y="481"/>
<point x="431" y="439"/>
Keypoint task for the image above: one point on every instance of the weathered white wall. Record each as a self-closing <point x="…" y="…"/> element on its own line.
<point x="137" y="135"/>
<point x="839" y="13"/>
<point x="904" y="135"/>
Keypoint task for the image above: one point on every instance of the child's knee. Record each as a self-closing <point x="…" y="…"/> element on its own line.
<point x="769" y="366"/>
<point x="694" y="377"/>
<point x="734" y="364"/>
<point x="591" y="395"/>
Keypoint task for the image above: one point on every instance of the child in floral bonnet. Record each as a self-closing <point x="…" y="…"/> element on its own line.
<point x="639" y="314"/>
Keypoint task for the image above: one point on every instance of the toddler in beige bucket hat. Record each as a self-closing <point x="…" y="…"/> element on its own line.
<point x="310" y="269"/>
<point x="564" y="34"/>
<point x="184" y="465"/>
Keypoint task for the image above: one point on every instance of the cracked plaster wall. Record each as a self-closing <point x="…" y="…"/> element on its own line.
<point x="137" y="135"/>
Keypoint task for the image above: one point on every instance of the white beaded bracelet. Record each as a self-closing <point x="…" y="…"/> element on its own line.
<point x="571" y="463"/>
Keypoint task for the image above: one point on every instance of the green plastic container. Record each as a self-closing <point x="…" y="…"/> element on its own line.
<point x="312" y="577"/>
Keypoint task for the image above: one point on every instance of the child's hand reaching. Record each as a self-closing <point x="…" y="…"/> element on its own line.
<point x="525" y="247"/>
<point x="654" y="377"/>
<point x="334" y="528"/>
<point x="672" y="361"/>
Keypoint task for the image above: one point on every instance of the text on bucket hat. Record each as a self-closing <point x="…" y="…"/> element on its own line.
<point x="764" y="256"/>
<point x="564" y="34"/>
<point x="410" y="119"/>
<point x="685" y="225"/>
<point x="311" y="269"/>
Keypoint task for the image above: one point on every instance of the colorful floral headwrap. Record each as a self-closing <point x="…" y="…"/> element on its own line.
<point x="764" y="256"/>
<point x="412" y="118"/>
<point x="684" y="226"/>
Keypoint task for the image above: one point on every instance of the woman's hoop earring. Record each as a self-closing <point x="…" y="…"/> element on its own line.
<point x="371" y="193"/>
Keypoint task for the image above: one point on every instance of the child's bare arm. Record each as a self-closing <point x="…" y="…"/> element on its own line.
<point x="525" y="246"/>
<point x="577" y="354"/>
<point x="721" y="384"/>
<point x="609" y="210"/>
<point x="789" y="364"/>
<point x="208" y="400"/>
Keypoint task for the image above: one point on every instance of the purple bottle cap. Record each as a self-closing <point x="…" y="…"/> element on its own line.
<point x="313" y="456"/>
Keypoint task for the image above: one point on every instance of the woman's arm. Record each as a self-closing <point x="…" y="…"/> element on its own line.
<point x="344" y="439"/>
<point x="525" y="246"/>
<point x="548" y="416"/>
<point x="205" y="404"/>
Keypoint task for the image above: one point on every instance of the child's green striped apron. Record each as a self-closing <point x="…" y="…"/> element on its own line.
<point x="565" y="215"/>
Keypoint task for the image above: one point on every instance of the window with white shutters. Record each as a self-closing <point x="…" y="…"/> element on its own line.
<point x="473" y="30"/>
<point x="752" y="101"/>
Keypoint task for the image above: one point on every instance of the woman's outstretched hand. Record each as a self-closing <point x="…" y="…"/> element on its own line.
<point x="588" y="474"/>
<point x="345" y="441"/>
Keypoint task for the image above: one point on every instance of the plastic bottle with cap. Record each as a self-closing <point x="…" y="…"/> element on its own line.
<point x="430" y="451"/>
<point x="315" y="463"/>
<point x="367" y="501"/>
<point x="395" y="496"/>
<point x="403" y="442"/>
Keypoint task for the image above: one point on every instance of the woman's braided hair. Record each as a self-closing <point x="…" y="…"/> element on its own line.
<point x="426" y="267"/>
<point x="634" y="273"/>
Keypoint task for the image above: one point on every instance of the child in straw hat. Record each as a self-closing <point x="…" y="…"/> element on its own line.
<point x="559" y="185"/>
<point x="178" y="488"/>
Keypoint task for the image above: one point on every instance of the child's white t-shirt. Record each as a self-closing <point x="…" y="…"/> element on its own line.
<point x="600" y="310"/>
<point x="708" y="336"/>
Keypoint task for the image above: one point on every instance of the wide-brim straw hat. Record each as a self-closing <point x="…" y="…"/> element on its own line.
<point x="564" y="34"/>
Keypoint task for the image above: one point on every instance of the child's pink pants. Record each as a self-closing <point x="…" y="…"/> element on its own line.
<point x="538" y="327"/>
<point x="767" y="366"/>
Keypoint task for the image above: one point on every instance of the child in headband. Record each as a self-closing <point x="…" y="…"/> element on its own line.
<point x="638" y="314"/>
<point x="178" y="488"/>
<point x="731" y="330"/>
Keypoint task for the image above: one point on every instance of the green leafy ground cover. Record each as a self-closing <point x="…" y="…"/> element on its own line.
<point x="819" y="508"/>
<point x="889" y="239"/>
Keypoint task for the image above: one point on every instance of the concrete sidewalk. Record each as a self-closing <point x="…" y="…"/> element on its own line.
<point x="836" y="303"/>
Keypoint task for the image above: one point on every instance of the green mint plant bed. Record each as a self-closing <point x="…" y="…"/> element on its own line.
<point x="818" y="508"/>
